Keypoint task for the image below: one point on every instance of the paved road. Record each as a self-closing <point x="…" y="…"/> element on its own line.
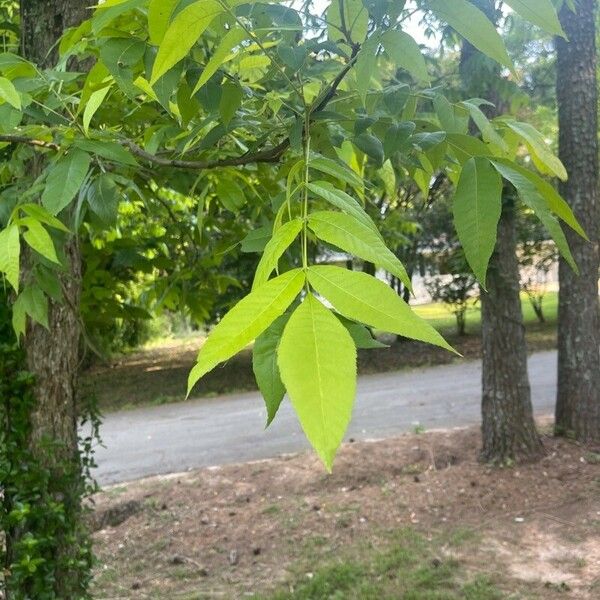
<point x="177" y="437"/>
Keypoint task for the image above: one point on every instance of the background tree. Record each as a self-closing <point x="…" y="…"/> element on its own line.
<point x="578" y="399"/>
<point x="508" y="427"/>
<point x="227" y="99"/>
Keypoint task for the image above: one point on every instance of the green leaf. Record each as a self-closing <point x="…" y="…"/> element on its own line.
<point x="446" y="115"/>
<point x="39" y="239"/>
<point x="539" y="148"/>
<point x="360" y="334"/>
<point x="317" y="361"/>
<point x="277" y="245"/>
<point x="353" y="236"/>
<point x="10" y="250"/>
<point x="230" y="40"/>
<point x="109" y="150"/>
<point x="521" y="178"/>
<point x="354" y="20"/>
<point x="257" y="239"/>
<point x="246" y="321"/>
<point x="337" y="170"/>
<point x="293" y="56"/>
<point x="103" y="198"/>
<point x="92" y="106"/>
<point x="43" y="216"/>
<point x="184" y="31"/>
<point x="231" y="195"/>
<point x="371" y="146"/>
<point x="107" y="12"/>
<point x="343" y="201"/>
<point x="539" y="12"/>
<point x="472" y="24"/>
<point x="31" y="301"/>
<point x="366" y="66"/>
<point x="47" y="279"/>
<point x="266" y="370"/>
<point x="9" y="93"/>
<point x="397" y="137"/>
<point x="121" y="56"/>
<point x="465" y="147"/>
<point x="65" y="177"/>
<point x="405" y="53"/>
<point x="477" y="206"/>
<point x="364" y="298"/>
<point x="489" y="134"/>
<point x="531" y="197"/>
<point x="159" y="15"/>
<point x="388" y="177"/>
<point x="231" y="100"/>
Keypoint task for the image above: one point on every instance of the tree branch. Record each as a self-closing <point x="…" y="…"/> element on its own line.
<point x="268" y="155"/>
<point x="21" y="139"/>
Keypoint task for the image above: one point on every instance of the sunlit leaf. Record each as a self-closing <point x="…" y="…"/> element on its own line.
<point x="181" y="35"/>
<point x="366" y="299"/>
<point x="246" y="321"/>
<point x="277" y="245"/>
<point x="343" y="201"/>
<point x="315" y="342"/>
<point x="9" y="94"/>
<point x="92" y="106"/>
<point x="353" y="236"/>
<point x="231" y="39"/>
<point x="39" y="239"/>
<point x="474" y="26"/>
<point x="10" y="249"/>
<point x="159" y="16"/>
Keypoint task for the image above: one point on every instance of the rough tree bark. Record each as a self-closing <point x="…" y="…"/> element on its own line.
<point x="578" y="398"/>
<point x="53" y="354"/>
<point x="508" y="427"/>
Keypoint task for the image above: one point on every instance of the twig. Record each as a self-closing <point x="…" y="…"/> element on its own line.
<point x="21" y="139"/>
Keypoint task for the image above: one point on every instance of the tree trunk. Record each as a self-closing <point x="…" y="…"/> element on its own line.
<point x="508" y="426"/>
<point x="538" y="309"/>
<point x="42" y="24"/>
<point x="578" y="398"/>
<point x="461" y="321"/>
<point x="53" y="354"/>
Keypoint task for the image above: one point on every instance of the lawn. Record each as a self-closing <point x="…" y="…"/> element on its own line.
<point x="444" y="321"/>
<point x="407" y="568"/>
<point x="411" y="518"/>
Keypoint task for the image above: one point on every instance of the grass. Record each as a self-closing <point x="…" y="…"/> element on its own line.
<point x="409" y="568"/>
<point x="444" y="321"/>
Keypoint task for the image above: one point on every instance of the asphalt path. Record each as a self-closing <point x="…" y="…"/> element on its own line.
<point x="230" y="429"/>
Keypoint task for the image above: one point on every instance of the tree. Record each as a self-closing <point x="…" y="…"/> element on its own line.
<point x="508" y="427"/>
<point x="578" y="399"/>
<point x="50" y="449"/>
<point x="232" y="99"/>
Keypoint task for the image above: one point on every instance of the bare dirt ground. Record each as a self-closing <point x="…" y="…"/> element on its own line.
<point x="159" y="375"/>
<point x="235" y="531"/>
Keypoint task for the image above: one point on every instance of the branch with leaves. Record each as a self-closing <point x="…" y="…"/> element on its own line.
<point x="247" y="84"/>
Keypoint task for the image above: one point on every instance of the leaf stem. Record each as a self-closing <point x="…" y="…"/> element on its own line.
<point x="306" y="182"/>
